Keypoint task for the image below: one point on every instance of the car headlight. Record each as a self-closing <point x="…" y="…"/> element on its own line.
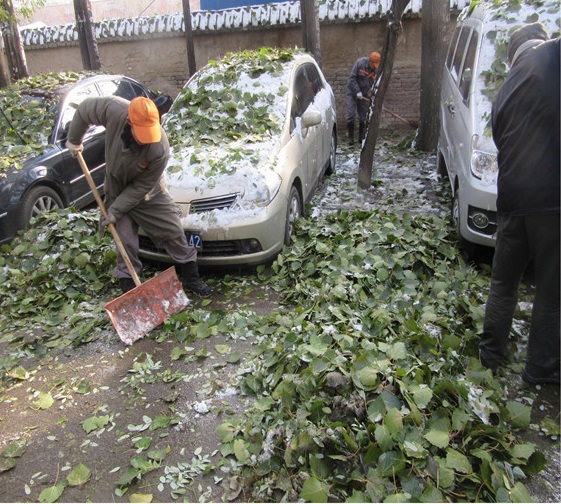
<point x="484" y="166"/>
<point x="263" y="189"/>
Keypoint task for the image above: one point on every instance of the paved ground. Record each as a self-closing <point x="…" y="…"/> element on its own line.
<point x="133" y="394"/>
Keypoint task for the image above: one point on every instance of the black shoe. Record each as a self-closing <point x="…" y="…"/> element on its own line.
<point x="198" y="287"/>
<point x="126" y="284"/>
<point x="192" y="281"/>
<point x="540" y="380"/>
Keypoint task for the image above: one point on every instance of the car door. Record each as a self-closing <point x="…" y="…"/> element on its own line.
<point x="78" y="190"/>
<point x="303" y="141"/>
<point x="322" y="131"/>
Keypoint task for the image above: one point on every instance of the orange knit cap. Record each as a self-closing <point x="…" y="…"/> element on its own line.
<point x="375" y="59"/>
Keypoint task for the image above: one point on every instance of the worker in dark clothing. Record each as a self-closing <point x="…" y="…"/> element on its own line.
<point x="358" y="93"/>
<point x="136" y="154"/>
<point x="525" y="120"/>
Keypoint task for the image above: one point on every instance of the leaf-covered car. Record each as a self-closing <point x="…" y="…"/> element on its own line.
<point x="37" y="172"/>
<point x="251" y="136"/>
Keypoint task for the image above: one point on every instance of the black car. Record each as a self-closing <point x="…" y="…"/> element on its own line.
<point x="37" y="172"/>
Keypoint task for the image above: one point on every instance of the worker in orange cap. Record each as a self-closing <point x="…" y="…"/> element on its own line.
<point x="136" y="154"/>
<point x="359" y="87"/>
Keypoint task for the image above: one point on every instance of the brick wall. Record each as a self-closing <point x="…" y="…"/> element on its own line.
<point x="160" y="61"/>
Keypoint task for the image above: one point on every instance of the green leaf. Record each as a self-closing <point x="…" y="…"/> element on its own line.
<point x="95" y="422"/>
<point x="240" y="450"/>
<point x="138" y="497"/>
<point x="391" y="463"/>
<point x="523" y="451"/>
<point x="44" y="401"/>
<point x="314" y="490"/>
<point x="226" y="432"/>
<point x="6" y="464"/>
<point x="457" y="461"/>
<point x="53" y="493"/>
<point x="438" y="438"/>
<point x="15" y="449"/>
<point x="79" y="475"/>
<point x="519" y="493"/>
<point x="520" y="414"/>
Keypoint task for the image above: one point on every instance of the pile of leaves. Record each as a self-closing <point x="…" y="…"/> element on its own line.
<point x="28" y="110"/>
<point x="370" y="388"/>
<point x="49" y="276"/>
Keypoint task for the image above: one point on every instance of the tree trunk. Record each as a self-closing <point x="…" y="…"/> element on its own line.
<point x="310" y="28"/>
<point x="435" y="17"/>
<point x="379" y="91"/>
<point x="86" y="35"/>
<point x="191" y="64"/>
<point x="15" y="55"/>
<point x="4" y="72"/>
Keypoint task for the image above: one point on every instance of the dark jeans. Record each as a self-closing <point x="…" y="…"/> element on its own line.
<point x="520" y="240"/>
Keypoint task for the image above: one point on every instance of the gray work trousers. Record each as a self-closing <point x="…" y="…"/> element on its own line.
<point x="127" y="229"/>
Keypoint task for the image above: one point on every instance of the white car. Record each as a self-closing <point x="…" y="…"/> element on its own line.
<point x="475" y="68"/>
<point x="251" y="136"/>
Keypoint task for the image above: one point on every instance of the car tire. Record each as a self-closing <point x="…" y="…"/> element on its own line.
<point x="441" y="165"/>
<point x="37" y="200"/>
<point x="467" y="248"/>
<point x="330" y="170"/>
<point x="293" y="213"/>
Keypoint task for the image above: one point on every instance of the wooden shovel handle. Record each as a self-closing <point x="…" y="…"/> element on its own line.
<point x="112" y="228"/>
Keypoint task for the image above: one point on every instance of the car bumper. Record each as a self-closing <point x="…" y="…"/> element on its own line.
<point x="478" y="213"/>
<point x="234" y="245"/>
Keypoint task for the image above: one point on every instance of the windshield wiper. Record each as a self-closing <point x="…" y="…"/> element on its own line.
<point x="12" y="126"/>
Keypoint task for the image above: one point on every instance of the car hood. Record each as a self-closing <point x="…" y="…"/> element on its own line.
<point x="193" y="176"/>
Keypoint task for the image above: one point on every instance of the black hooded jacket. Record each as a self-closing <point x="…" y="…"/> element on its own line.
<point x="526" y="133"/>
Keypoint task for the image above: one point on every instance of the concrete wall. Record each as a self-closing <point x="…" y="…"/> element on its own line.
<point x="160" y="60"/>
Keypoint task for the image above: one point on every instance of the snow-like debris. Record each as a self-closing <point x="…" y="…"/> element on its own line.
<point x="251" y="16"/>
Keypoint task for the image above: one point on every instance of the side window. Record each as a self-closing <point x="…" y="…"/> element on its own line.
<point x="452" y="47"/>
<point x="316" y="84"/>
<point x="302" y="96"/>
<point x="467" y="70"/>
<point x="459" y="55"/>
<point x="70" y="104"/>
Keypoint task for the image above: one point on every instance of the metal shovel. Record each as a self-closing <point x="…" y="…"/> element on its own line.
<point x="135" y="313"/>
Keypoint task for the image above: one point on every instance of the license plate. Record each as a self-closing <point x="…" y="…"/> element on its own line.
<point x="194" y="240"/>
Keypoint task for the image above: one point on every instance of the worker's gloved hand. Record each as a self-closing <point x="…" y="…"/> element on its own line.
<point x="74" y="149"/>
<point x="359" y="95"/>
<point x="110" y="219"/>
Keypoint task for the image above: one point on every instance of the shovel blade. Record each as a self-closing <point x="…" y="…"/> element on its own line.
<point x="138" y="311"/>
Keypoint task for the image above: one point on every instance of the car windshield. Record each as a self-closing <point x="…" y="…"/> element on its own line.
<point x="228" y="107"/>
<point x="28" y="110"/>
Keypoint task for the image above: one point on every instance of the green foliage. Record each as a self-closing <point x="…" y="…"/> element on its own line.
<point x="30" y="107"/>
<point x="385" y="304"/>
<point x="219" y="106"/>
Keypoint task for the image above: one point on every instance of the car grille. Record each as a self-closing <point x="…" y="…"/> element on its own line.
<point x="210" y="249"/>
<point x="216" y="203"/>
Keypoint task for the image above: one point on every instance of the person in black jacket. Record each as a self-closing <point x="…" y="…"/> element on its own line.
<point x="359" y="84"/>
<point x="525" y="120"/>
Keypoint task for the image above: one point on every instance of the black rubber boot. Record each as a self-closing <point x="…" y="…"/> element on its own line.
<point x="192" y="281"/>
<point x="351" y="130"/>
<point x="126" y="284"/>
<point x="361" y="132"/>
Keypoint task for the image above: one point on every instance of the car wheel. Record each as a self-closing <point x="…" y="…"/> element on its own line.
<point x="37" y="200"/>
<point x="467" y="248"/>
<point x="332" y="155"/>
<point x="293" y="213"/>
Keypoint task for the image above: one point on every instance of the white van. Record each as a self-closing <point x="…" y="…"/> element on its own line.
<point x="475" y="68"/>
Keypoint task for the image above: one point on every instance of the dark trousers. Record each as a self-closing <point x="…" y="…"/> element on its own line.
<point x="520" y="240"/>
